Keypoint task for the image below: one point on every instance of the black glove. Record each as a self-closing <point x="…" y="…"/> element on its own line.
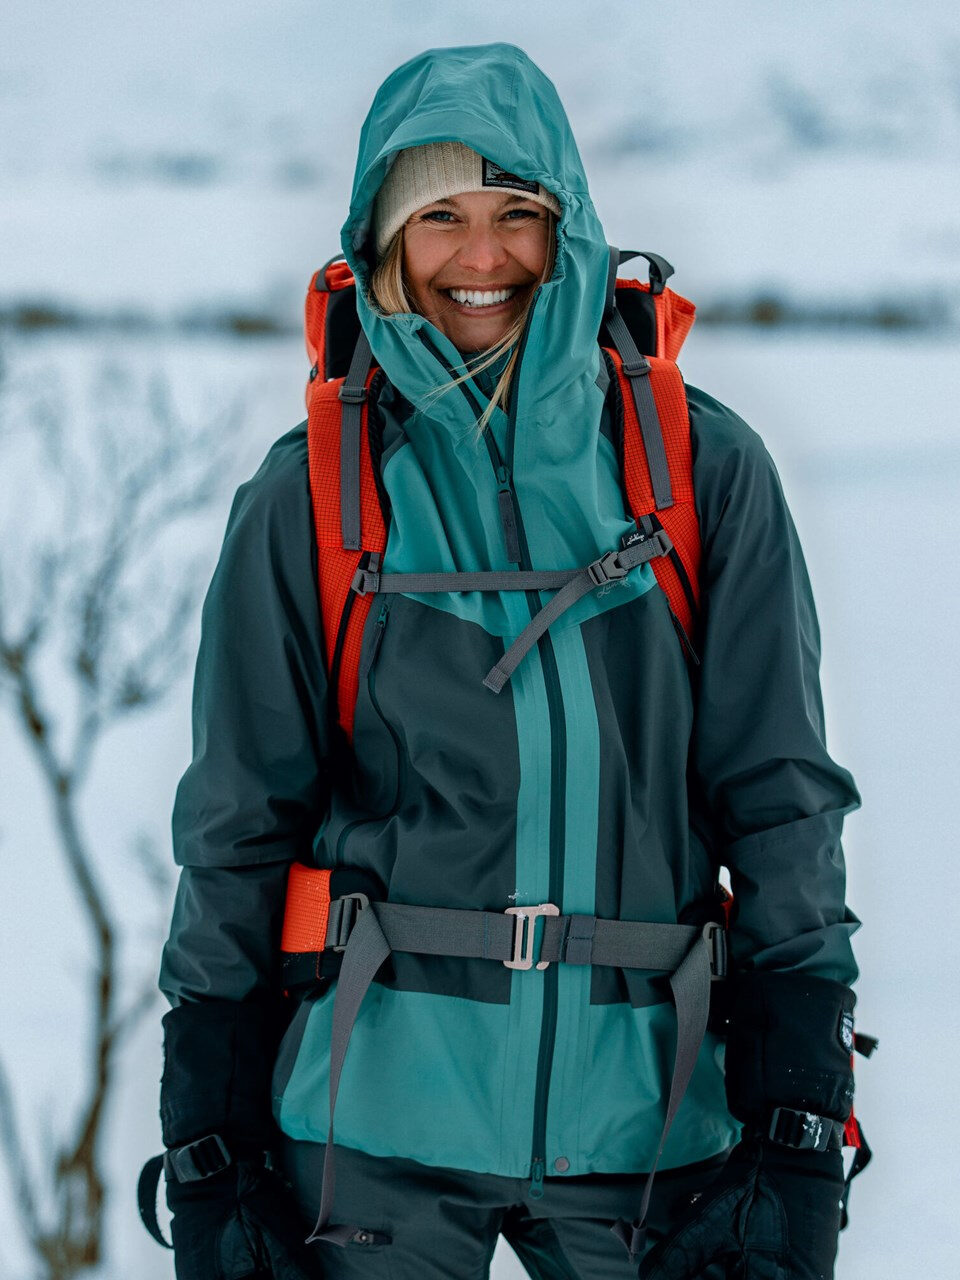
<point x="774" y="1211"/>
<point x="234" y="1217"/>
<point x="242" y="1222"/>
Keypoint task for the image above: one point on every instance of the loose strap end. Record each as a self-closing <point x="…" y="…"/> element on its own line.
<point x="147" y="1185"/>
<point x="631" y="1235"/>
<point x="333" y="1233"/>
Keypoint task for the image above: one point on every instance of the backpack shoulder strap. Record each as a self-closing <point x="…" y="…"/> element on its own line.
<point x="348" y="519"/>
<point x="657" y="464"/>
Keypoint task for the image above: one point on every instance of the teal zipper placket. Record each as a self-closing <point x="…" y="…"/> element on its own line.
<point x="557" y="820"/>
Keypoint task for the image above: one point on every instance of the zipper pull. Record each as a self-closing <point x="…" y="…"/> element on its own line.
<point x="508" y="515"/>
<point x="536" y="1179"/>
<point x="380" y="624"/>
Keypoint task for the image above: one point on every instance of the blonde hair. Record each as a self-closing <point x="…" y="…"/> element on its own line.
<point x="388" y="291"/>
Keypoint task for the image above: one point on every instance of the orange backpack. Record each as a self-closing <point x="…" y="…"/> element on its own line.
<point x="643" y="329"/>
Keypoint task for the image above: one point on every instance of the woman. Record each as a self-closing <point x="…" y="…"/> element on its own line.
<point x="476" y="1099"/>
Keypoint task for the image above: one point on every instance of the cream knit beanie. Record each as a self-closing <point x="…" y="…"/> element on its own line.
<point x="435" y="171"/>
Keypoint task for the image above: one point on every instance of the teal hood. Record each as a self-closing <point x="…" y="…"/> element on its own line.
<point x="496" y="101"/>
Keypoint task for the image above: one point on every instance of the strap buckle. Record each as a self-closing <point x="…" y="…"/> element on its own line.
<point x="606" y="568"/>
<point x="803" y="1130"/>
<point x="367" y="577"/>
<point x="715" y="936"/>
<point x="524" y="932"/>
<point x="635" y="370"/>
<point x="342" y="917"/>
<point x="365" y="580"/>
<point x="352" y="395"/>
<point x="197" y="1160"/>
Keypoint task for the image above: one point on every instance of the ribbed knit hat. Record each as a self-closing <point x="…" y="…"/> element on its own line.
<point x="436" y="171"/>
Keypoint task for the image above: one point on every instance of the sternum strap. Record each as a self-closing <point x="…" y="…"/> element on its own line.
<point x="572" y="584"/>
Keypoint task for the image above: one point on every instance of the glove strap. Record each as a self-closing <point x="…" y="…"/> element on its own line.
<point x="192" y="1162"/>
<point x="804" y="1130"/>
<point x="147" y="1185"/>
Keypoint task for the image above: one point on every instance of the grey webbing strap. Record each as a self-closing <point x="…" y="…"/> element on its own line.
<point x="353" y="393"/>
<point x="490" y="935"/>
<point x="637" y="369"/>
<point x="613" y="565"/>
<point x="387" y="926"/>
<point x="623" y="944"/>
<point x="482" y="580"/>
<point x="573" y="584"/>
<point x="690" y="986"/>
<point x="366" y="951"/>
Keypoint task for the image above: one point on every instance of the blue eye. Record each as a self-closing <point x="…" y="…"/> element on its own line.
<point x="437" y="213"/>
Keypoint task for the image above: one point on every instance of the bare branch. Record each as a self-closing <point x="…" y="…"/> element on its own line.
<point x="96" y="592"/>
<point x="129" y="1017"/>
<point x="15" y="1155"/>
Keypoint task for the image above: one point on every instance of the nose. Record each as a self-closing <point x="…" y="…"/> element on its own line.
<point x="482" y="250"/>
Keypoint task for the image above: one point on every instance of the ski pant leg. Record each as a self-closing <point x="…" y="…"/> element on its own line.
<point x="443" y="1223"/>
<point x="567" y="1234"/>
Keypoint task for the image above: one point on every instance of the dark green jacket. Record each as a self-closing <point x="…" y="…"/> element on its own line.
<point x="600" y="778"/>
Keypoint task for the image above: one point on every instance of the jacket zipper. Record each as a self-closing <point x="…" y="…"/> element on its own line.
<point x="505" y="496"/>
<point x="558" y="747"/>
<point x="369" y="670"/>
<point x="684" y="638"/>
<point x="513" y="529"/>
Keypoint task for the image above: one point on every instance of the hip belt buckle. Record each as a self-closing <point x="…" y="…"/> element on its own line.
<point x="343" y="912"/>
<point x="523" y="936"/>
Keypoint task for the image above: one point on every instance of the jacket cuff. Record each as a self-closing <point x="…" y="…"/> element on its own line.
<point x="789" y="1044"/>
<point x="218" y="1061"/>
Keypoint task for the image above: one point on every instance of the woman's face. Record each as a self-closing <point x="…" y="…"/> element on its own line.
<point x="461" y="254"/>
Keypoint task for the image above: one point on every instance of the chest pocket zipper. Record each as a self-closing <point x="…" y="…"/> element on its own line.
<point x="368" y="671"/>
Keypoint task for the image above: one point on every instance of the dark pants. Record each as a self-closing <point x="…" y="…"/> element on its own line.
<point x="443" y="1224"/>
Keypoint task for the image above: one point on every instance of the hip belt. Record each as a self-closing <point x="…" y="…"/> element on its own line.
<point x="354" y="935"/>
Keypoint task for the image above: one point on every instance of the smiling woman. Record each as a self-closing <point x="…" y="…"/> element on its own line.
<point x="447" y="849"/>
<point x="470" y="259"/>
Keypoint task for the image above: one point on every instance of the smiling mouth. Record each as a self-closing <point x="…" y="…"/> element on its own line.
<point x="478" y="299"/>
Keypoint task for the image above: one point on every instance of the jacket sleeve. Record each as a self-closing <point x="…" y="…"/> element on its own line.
<point x="256" y="789"/>
<point x="775" y="798"/>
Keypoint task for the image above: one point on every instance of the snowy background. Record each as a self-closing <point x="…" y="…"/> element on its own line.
<point x="171" y="174"/>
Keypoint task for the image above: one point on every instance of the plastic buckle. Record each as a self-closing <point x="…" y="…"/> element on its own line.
<point x="802" y="1130"/>
<point x="606" y="568"/>
<point x="715" y="937"/>
<point x="635" y="370"/>
<point x="662" y="538"/>
<point x="197" y="1160"/>
<point x="365" y="580"/>
<point x="524" y="932"/>
<point x="352" y="395"/>
<point x="342" y="917"/>
<point x="367" y="577"/>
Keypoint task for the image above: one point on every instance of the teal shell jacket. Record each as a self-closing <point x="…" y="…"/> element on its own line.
<point x="605" y="777"/>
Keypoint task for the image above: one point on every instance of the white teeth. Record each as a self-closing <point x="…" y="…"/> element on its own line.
<point x="477" y="298"/>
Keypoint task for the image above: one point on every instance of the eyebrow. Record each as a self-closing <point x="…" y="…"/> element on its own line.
<point x="508" y="200"/>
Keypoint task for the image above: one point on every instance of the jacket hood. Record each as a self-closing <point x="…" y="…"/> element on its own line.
<point x="497" y="101"/>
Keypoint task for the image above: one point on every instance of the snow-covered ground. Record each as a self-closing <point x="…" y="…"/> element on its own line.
<point x="179" y="156"/>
